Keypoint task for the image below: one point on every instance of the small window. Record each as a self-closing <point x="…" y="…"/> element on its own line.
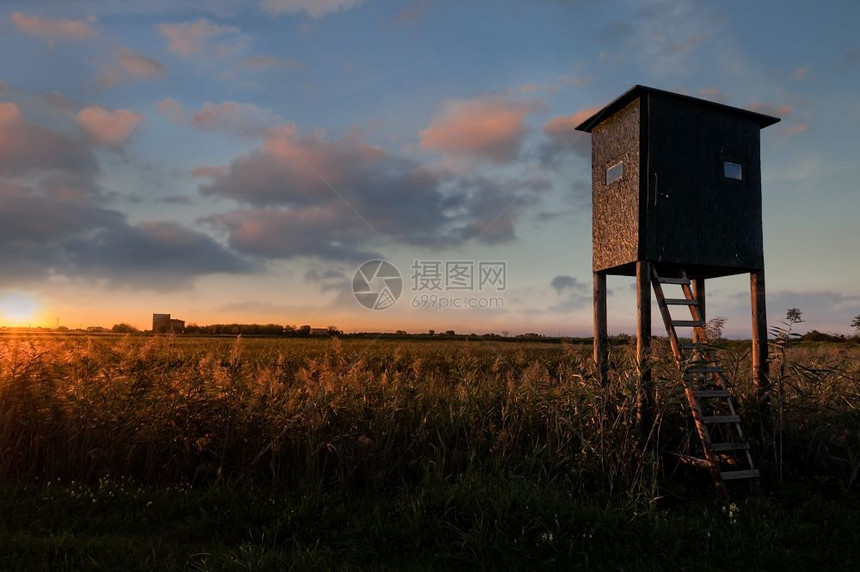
<point x="733" y="171"/>
<point x="614" y="172"/>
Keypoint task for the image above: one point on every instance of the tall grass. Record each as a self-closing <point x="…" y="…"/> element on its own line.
<point x="345" y="415"/>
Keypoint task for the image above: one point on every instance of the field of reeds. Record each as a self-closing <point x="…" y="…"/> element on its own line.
<point x="253" y="454"/>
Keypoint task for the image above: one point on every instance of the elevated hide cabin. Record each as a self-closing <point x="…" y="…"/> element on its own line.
<point x="676" y="194"/>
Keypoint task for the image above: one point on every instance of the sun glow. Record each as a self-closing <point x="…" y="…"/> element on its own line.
<point x="17" y="307"/>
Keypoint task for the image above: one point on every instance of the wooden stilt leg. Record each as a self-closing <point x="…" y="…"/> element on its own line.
<point x="601" y="351"/>
<point x="759" y="339"/>
<point x="645" y="398"/>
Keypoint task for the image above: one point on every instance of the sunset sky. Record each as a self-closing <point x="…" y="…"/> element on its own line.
<point x="230" y="161"/>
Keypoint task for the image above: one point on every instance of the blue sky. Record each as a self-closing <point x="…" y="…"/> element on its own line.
<point x="237" y="161"/>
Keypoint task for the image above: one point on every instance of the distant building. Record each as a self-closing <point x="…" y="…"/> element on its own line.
<point x="319" y="331"/>
<point x="164" y="324"/>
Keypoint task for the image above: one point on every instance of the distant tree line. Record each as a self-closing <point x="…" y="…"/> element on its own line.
<point x="259" y="330"/>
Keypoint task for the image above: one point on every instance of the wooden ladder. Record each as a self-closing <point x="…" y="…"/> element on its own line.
<point x="727" y="454"/>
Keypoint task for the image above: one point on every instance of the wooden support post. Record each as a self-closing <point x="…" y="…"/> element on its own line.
<point x="759" y="339"/>
<point x="699" y="293"/>
<point x="601" y="351"/>
<point x="645" y="395"/>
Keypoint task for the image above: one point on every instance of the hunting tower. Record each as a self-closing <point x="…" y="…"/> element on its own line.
<point x="676" y="194"/>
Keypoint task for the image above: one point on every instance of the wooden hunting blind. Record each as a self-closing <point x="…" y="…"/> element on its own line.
<point x="676" y="198"/>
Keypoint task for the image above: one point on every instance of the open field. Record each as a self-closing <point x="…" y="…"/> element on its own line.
<point x="184" y="453"/>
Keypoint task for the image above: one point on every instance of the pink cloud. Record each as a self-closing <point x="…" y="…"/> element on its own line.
<point x="108" y="128"/>
<point x="800" y="73"/>
<point x="129" y="66"/>
<point x="313" y="8"/>
<point x="210" y="171"/>
<point x="565" y="124"/>
<point x="171" y="109"/>
<point x="243" y="119"/>
<point x="9" y="113"/>
<point x="714" y="94"/>
<point x="486" y="127"/>
<point x="797" y="128"/>
<point x="532" y="87"/>
<point x="781" y="111"/>
<point x="202" y="38"/>
<point x="52" y="28"/>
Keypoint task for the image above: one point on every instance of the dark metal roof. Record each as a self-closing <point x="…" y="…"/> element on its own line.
<point x="639" y="90"/>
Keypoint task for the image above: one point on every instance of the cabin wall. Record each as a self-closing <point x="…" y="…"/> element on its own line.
<point x="695" y="215"/>
<point x="615" y="206"/>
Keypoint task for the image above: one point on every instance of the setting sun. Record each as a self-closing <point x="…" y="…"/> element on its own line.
<point x="18" y="307"/>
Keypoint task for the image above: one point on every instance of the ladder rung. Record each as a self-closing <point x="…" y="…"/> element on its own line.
<point x="681" y="302"/>
<point x="709" y="393"/>
<point x="681" y="281"/>
<point x="721" y="419"/>
<point x="688" y="324"/>
<point x="706" y="369"/>
<point x="748" y="474"/>
<point x="723" y="447"/>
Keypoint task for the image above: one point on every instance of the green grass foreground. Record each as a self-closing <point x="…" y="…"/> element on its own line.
<point x="475" y="523"/>
<point x="189" y="454"/>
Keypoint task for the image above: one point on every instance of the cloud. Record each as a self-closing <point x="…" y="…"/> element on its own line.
<point x="413" y="12"/>
<point x="108" y="128"/>
<point x="533" y="87"/>
<point x="781" y="111"/>
<point x="563" y="125"/>
<point x="53" y="218"/>
<point x="800" y="72"/>
<point x="662" y="35"/>
<point x="342" y="199"/>
<point x="203" y="39"/>
<point x="561" y="138"/>
<point x="171" y="109"/>
<point x="685" y="44"/>
<point x="129" y="66"/>
<point x="492" y="208"/>
<point x="32" y="150"/>
<point x="261" y="62"/>
<point x="34" y="215"/>
<point x="563" y="283"/>
<point x="176" y="200"/>
<point x="796" y="128"/>
<point x="244" y="119"/>
<point x="210" y="171"/>
<point x="329" y="279"/>
<point x="574" y="294"/>
<point x="164" y="255"/>
<point x="486" y="127"/>
<point x="324" y="232"/>
<point x="824" y="310"/>
<point x="313" y="8"/>
<point x="715" y="94"/>
<point x="54" y="29"/>
<point x="48" y="232"/>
